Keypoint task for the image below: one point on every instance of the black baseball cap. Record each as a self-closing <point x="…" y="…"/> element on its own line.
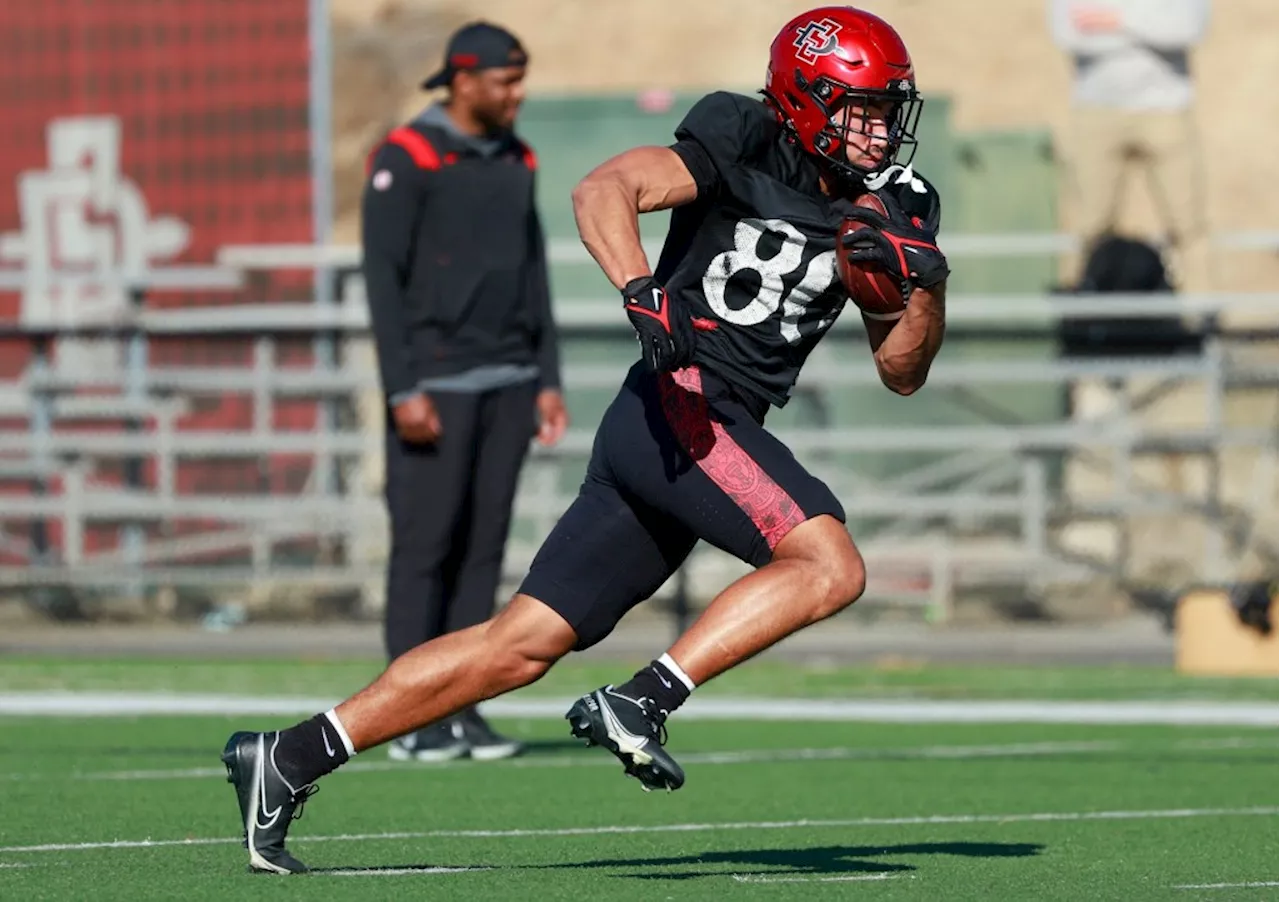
<point x="478" y="45"/>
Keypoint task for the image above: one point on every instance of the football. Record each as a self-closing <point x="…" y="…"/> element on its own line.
<point x="869" y="286"/>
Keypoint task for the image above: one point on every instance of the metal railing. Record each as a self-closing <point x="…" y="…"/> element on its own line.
<point x="991" y="483"/>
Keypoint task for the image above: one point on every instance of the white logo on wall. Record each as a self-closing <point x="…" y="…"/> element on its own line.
<point x="87" y="235"/>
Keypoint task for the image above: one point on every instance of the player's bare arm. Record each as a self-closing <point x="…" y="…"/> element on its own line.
<point x="904" y="349"/>
<point x="608" y="202"/>
<point x="891" y="254"/>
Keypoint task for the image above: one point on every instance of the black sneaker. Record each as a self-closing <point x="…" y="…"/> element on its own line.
<point x="484" y="742"/>
<point x="268" y="803"/>
<point x="439" y="742"/>
<point x="632" y="730"/>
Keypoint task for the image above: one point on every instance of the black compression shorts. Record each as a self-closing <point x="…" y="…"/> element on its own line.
<point x="678" y="457"/>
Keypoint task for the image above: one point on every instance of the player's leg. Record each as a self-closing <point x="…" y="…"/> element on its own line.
<point x="815" y="572"/>
<point x="618" y="558"/>
<point x="274" y="772"/>
<point x="738" y="487"/>
<point x="599" y="561"/>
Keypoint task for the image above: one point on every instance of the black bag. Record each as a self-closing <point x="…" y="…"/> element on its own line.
<point x="1129" y="266"/>
<point x="1124" y="265"/>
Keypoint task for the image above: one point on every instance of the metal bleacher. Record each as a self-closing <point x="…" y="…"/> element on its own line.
<point x="958" y="486"/>
<point x="964" y="503"/>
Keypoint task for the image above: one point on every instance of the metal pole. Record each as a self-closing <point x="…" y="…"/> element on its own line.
<point x="41" y="432"/>
<point x="324" y="345"/>
<point x="1214" y="562"/>
<point x="321" y="127"/>
<point x="132" y="539"/>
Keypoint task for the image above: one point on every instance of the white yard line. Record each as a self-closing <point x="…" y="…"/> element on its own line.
<point x="628" y="829"/>
<point x="848" y="878"/>
<point x="1227" y="885"/>
<point x="1180" y="713"/>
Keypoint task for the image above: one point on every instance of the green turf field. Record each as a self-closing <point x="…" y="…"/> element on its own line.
<point x="339" y="678"/>
<point x="116" y="808"/>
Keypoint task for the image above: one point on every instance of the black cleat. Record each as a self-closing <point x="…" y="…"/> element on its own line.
<point x="268" y="803"/>
<point x="442" y="741"/>
<point x="485" y="743"/>
<point x="632" y="730"/>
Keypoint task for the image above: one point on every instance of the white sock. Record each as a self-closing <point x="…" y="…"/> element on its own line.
<point x="332" y="715"/>
<point x="676" y="670"/>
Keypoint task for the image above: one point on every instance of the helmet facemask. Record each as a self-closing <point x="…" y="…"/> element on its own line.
<point x="848" y="111"/>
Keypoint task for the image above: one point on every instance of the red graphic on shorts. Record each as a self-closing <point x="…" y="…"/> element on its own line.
<point x="738" y="475"/>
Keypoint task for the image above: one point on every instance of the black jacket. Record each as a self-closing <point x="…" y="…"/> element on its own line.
<point x="454" y="257"/>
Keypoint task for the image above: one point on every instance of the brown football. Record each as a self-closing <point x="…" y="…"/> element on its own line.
<point x="869" y="286"/>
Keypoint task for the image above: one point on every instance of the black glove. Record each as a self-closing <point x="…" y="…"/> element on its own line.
<point x="662" y="325"/>
<point x="903" y="245"/>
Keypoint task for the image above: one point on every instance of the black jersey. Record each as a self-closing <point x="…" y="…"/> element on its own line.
<point x="756" y="251"/>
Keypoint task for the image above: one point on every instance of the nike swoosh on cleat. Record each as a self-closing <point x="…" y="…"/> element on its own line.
<point x="327" y="747"/>
<point x="617" y="731"/>
<point x="262" y="791"/>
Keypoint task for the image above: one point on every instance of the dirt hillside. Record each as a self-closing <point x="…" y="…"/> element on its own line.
<point x="384" y="47"/>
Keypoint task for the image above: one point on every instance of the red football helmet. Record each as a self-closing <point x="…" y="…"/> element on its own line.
<point x="831" y="61"/>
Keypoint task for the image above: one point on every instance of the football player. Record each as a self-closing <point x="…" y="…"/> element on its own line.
<point x="746" y="286"/>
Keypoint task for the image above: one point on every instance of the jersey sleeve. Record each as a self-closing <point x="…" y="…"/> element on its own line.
<point x="924" y="205"/>
<point x="731" y="129"/>
<point x="917" y="197"/>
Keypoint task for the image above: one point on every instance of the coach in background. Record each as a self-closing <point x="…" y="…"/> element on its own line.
<point x="456" y="274"/>
<point x="1133" y="126"/>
